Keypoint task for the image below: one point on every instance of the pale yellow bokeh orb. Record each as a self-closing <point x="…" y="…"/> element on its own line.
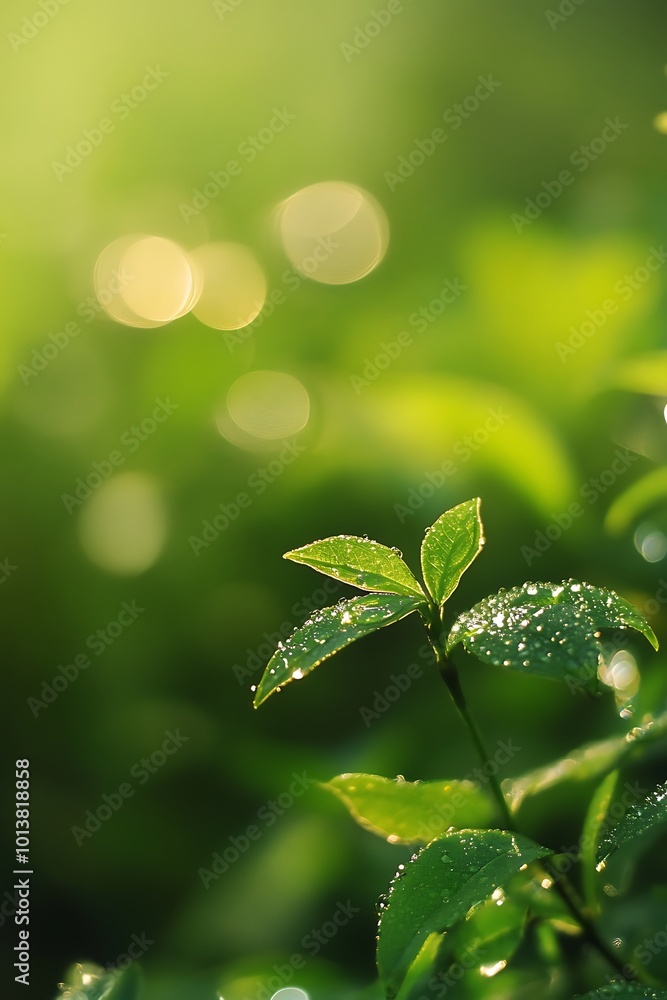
<point x="160" y="283"/>
<point x="333" y="232"/>
<point x="660" y="122"/>
<point x="145" y="281"/>
<point x="270" y="405"/>
<point x="233" y="286"/>
<point x="123" y="525"/>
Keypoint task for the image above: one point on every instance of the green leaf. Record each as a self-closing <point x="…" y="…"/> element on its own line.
<point x="547" y="629"/>
<point x="409" y="812"/>
<point x="437" y="888"/>
<point x="624" y="991"/>
<point x="492" y="934"/>
<point x="585" y="762"/>
<point x="449" y="547"/>
<point x="361" y="562"/>
<point x="591" y="835"/>
<point x="327" y="631"/>
<point x="639" y="818"/>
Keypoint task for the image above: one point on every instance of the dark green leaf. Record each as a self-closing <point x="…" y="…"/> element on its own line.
<point x="640" y="817"/>
<point x="361" y="562"/>
<point x="435" y="890"/>
<point x="591" y="835"/>
<point x="547" y="629"/>
<point x="449" y="547"/>
<point x="327" y="631"/>
<point x="624" y="991"/>
<point x="409" y="812"/>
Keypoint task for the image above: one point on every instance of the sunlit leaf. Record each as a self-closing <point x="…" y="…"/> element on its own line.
<point x="591" y="836"/>
<point x="409" y="812"/>
<point x="327" y="631"/>
<point x="435" y="890"/>
<point x="360" y="562"/>
<point x="449" y="547"/>
<point x="547" y="629"/>
<point x="639" y="818"/>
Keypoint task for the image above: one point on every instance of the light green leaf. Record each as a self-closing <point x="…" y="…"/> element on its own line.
<point x="435" y="890"/>
<point x="360" y="562"/>
<point x="624" y="991"/>
<point x="639" y="818"/>
<point x="645" y="373"/>
<point x="409" y="812"/>
<point x="327" y="631"/>
<point x="449" y="547"/>
<point x="547" y="629"/>
<point x="591" y="835"/>
<point x="585" y="762"/>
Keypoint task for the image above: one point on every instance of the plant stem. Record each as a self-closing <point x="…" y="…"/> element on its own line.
<point x="561" y="883"/>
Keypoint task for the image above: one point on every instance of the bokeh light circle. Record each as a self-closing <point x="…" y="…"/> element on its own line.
<point x="145" y="281"/>
<point x="270" y="405"/>
<point x="333" y="232"/>
<point x="123" y="524"/>
<point x="233" y="286"/>
<point x="160" y="281"/>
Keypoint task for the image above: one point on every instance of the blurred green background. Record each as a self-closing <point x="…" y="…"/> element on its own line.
<point x="187" y="662"/>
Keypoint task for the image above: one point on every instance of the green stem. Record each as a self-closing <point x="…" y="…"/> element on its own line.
<point x="561" y="883"/>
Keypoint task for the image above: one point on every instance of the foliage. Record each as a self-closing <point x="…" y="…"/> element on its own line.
<point x="477" y="864"/>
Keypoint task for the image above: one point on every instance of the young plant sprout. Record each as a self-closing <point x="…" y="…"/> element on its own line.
<point x="476" y="877"/>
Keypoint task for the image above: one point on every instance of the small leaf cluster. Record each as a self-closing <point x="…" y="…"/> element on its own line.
<point x="475" y="877"/>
